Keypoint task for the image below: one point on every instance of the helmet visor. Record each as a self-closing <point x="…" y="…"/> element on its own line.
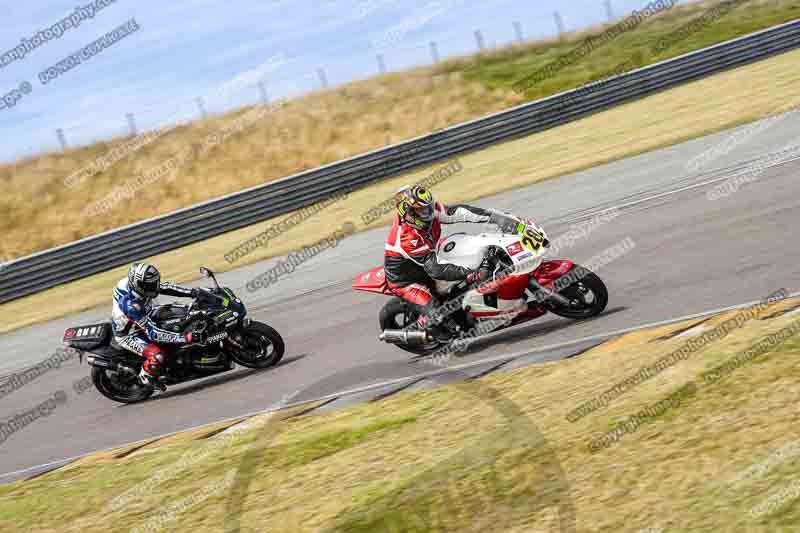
<point x="150" y="287"/>
<point x="423" y="212"/>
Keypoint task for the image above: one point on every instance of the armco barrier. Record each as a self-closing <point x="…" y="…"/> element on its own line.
<point x="102" y="252"/>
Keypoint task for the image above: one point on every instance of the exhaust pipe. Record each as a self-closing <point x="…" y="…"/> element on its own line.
<point x="402" y="336"/>
<point x="102" y="362"/>
<point x="110" y="364"/>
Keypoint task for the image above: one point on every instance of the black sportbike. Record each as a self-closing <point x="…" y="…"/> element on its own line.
<point x="230" y="337"/>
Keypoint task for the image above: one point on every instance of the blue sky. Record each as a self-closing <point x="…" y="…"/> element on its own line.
<point x="220" y="49"/>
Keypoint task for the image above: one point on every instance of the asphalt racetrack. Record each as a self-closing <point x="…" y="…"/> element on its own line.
<point x="691" y="254"/>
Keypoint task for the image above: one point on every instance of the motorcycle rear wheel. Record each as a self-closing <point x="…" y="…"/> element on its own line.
<point x="396" y="314"/>
<point x="108" y="384"/>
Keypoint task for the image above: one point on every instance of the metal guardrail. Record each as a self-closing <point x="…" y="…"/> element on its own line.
<point x="99" y="253"/>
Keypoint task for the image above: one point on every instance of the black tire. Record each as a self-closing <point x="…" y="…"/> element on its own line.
<point x="590" y="283"/>
<point x="104" y="383"/>
<point x="396" y="314"/>
<point x="264" y="338"/>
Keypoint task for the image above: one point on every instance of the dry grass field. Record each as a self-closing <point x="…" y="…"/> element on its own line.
<point x="40" y="211"/>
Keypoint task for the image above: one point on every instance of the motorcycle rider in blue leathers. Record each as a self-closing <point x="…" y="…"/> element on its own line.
<point x="134" y="317"/>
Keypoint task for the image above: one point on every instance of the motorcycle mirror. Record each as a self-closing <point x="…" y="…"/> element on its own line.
<point x="207" y="273"/>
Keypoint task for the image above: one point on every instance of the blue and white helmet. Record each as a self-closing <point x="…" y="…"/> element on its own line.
<point x="144" y="279"/>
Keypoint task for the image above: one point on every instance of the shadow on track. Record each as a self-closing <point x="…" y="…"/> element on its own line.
<point x="522" y="332"/>
<point x="228" y="377"/>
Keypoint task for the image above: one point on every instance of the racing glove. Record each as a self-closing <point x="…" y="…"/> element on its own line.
<point x="483" y="272"/>
<point x="476" y="277"/>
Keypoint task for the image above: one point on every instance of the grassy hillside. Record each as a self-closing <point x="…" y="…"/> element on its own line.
<point x="636" y="48"/>
<point x="39" y="211"/>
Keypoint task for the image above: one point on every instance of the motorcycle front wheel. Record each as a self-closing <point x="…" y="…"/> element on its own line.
<point x="588" y="295"/>
<point x="261" y="346"/>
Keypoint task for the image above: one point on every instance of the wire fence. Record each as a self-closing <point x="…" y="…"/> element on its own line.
<point x="396" y="56"/>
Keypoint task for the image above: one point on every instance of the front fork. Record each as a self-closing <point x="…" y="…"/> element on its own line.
<point x="538" y="289"/>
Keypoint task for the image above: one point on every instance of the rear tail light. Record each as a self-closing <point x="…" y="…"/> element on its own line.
<point x="68" y="335"/>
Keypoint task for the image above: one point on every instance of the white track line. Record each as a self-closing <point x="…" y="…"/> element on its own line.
<point x="424" y="375"/>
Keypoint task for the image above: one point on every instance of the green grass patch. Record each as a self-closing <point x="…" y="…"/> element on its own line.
<point x="633" y="49"/>
<point x="464" y="493"/>
<point x="329" y="443"/>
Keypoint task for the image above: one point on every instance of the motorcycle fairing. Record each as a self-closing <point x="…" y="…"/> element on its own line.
<point x="549" y="271"/>
<point x="372" y="281"/>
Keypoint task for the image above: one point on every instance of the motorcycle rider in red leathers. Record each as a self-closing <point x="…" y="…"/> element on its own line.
<point x="410" y="259"/>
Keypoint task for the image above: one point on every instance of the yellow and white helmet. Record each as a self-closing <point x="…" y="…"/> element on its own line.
<point x="415" y="205"/>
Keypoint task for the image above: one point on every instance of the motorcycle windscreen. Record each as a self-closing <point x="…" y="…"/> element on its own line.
<point x="372" y="281"/>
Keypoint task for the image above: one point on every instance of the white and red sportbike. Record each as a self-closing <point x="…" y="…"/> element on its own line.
<point x="524" y="287"/>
